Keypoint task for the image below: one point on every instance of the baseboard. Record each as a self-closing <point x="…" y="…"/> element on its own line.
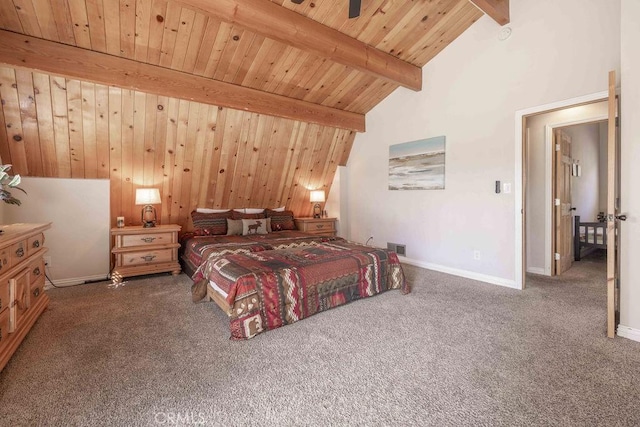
<point x="630" y="333"/>
<point x="461" y="273"/>
<point x="61" y="283"/>
<point x="536" y="270"/>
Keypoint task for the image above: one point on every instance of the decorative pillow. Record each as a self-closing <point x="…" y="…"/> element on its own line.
<point x="205" y="224"/>
<point x="234" y="227"/>
<point x="281" y="220"/>
<point x="254" y="226"/>
<point x="280" y="209"/>
<point x="207" y="210"/>
<point x="240" y="215"/>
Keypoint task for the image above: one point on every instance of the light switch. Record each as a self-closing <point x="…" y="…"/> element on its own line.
<point x="506" y="187"/>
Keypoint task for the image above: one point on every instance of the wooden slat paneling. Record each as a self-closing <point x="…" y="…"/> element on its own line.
<point x="199" y="154"/>
<point x="196" y="154"/>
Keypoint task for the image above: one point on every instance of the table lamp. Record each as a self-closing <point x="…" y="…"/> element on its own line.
<point x="148" y="197"/>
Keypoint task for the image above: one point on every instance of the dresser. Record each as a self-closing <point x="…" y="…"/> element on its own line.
<point x="22" y="275"/>
<point x="138" y="250"/>
<point x="320" y="226"/>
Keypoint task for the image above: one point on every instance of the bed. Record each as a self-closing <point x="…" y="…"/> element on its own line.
<point x="266" y="280"/>
<point x="588" y="236"/>
<point x="197" y="249"/>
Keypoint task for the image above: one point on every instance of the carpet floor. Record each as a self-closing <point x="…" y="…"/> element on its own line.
<point x="453" y="352"/>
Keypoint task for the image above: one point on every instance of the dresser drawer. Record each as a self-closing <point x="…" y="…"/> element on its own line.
<point x="132" y="240"/>
<point x="35" y="243"/>
<point x="36" y="270"/>
<point x="146" y="257"/>
<point x="17" y="252"/>
<point x="37" y="290"/>
<point x="4" y="295"/>
<point x="5" y="259"/>
<point x="4" y="326"/>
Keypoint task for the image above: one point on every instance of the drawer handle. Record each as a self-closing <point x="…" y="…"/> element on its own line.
<point x="36" y="292"/>
<point x="148" y="258"/>
<point x="20" y="252"/>
<point x="148" y="239"/>
<point x="36" y="271"/>
<point x="36" y="244"/>
<point x="319" y="225"/>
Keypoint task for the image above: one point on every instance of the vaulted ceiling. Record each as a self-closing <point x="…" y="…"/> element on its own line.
<point x="302" y="63"/>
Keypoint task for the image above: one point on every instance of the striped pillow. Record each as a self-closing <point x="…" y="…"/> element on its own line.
<point x="281" y="220"/>
<point x="209" y="224"/>
<point x="240" y="215"/>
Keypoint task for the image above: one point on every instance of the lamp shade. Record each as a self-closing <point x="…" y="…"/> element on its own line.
<point x="147" y="196"/>
<point x="317" y="196"/>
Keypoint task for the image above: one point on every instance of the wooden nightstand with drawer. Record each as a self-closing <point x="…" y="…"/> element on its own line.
<point x="320" y="226"/>
<point x="138" y="250"/>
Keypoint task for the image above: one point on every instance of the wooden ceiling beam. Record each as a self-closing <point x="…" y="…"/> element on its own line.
<point x="496" y="9"/>
<point x="54" y="58"/>
<point x="278" y="23"/>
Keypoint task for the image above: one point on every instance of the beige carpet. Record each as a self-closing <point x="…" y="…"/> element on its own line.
<point x="453" y="352"/>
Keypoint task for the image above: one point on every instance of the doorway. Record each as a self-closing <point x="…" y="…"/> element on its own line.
<point x="612" y="215"/>
<point x="541" y="159"/>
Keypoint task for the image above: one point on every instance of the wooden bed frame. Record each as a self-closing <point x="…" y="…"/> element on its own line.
<point x="590" y="232"/>
<point x="212" y="295"/>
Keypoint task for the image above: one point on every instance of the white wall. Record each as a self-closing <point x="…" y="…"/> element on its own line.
<point x="602" y="192"/>
<point x="336" y="205"/>
<point x="630" y="171"/>
<point x="538" y="187"/>
<point x="558" y="50"/>
<point x="78" y="240"/>
<point x="585" y="189"/>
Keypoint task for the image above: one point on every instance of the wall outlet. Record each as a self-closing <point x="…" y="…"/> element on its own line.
<point x="47" y="261"/>
<point x="506" y="187"/>
<point x="476" y="255"/>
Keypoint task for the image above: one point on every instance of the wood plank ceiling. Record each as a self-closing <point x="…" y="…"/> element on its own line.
<point x="273" y="111"/>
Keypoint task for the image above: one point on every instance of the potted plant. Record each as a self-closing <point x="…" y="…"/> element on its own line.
<point x="6" y="182"/>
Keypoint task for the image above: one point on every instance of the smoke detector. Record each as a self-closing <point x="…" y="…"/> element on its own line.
<point x="504" y="34"/>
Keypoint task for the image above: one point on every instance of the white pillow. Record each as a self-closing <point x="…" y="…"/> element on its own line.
<point x="249" y="210"/>
<point x="207" y="210"/>
<point x="280" y="209"/>
<point x="254" y="226"/>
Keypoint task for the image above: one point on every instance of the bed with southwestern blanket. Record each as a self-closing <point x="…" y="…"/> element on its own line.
<point x="197" y="249"/>
<point x="267" y="289"/>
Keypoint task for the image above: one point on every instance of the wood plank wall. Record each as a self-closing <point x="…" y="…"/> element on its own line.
<point x="198" y="155"/>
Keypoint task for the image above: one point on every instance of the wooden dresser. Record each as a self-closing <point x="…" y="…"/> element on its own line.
<point x="22" y="296"/>
<point x="320" y="226"/>
<point x="138" y="250"/>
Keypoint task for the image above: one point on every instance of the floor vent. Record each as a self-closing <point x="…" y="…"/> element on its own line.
<point x="399" y="249"/>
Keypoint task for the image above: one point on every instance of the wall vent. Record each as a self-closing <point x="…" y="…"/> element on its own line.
<point x="397" y="248"/>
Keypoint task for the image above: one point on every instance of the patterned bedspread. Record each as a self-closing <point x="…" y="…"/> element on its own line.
<point x="196" y="250"/>
<point x="270" y="289"/>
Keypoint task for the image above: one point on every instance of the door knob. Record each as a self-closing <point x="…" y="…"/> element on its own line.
<point x="572" y="209"/>
<point x="622" y="217"/>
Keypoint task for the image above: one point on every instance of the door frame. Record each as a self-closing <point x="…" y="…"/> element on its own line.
<point x="549" y="179"/>
<point x="520" y="171"/>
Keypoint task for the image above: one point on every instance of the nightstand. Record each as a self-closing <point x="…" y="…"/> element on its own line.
<point x="138" y="250"/>
<point x="319" y="226"/>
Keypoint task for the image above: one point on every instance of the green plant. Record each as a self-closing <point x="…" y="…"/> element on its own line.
<point x="7" y="181"/>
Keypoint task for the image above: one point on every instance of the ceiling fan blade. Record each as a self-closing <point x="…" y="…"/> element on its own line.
<point x="354" y="8"/>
